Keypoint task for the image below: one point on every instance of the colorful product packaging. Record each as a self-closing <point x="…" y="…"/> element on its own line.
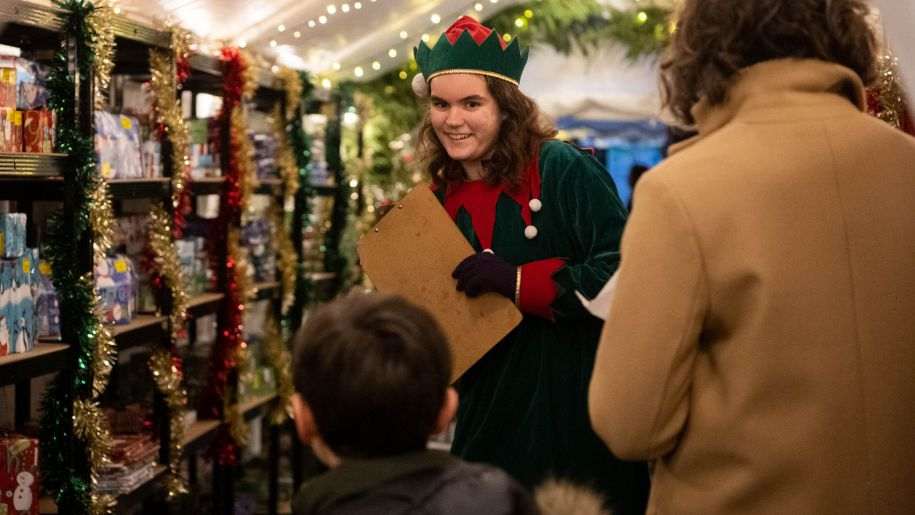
<point x="8" y="81"/>
<point x="12" y="234"/>
<point x="115" y="285"/>
<point x="17" y="303"/>
<point x="31" y="85"/>
<point x="18" y="475"/>
<point x="10" y="130"/>
<point x="47" y="306"/>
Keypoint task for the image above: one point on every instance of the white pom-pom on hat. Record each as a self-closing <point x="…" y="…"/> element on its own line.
<point x="420" y="86"/>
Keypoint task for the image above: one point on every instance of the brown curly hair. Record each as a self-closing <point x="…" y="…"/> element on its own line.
<point x="522" y="132"/>
<point x="716" y="38"/>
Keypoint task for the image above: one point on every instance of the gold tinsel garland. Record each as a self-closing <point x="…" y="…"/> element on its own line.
<point x="245" y="157"/>
<point x="168" y="113"/>
<point x="285" y="159"/>
<point x="89" y="423"/>
<point x="292" y="83"/>
<point x="279" y="359"/>
<point x="169" y="267"/>
<point x="168" y="379"/>
<point x="889" y="92"/>
<point x="286" y="257"/>
<point x="103" y="45"/>
<point x="91" y="426"/>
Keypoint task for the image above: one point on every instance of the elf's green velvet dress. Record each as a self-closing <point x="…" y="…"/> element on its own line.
<point x="524" y="405"/>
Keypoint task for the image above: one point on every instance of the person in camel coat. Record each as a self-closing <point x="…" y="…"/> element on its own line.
<point x="761" y="344"/>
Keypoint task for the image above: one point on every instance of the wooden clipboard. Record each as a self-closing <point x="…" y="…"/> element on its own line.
<point x="411" y="252"/>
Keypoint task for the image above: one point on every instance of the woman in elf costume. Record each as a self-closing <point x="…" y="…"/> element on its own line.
<point x="545" y="220"/>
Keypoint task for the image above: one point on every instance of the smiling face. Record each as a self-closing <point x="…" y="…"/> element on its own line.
<point x="465" y="117"/>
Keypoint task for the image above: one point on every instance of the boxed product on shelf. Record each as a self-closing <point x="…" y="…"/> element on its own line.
<point x="12" y="234"/>
<point x="47" y="306"/>
<point x="256" y="238"/>
<point x="115" y="285"/>
<point x="265" y="149"/>
<point x="117" y="146"/>
<point x="131" y="237"/>
<point x="10" y="130"/>
<point x="31" y="85"/>
<point x="204" y="151"/>
<point x="18" y="475"/>
<point x="17" y="303"/>
<point x="133" y="462"/>
<point x="8" y="56"/>
<point x="38" y="131"/>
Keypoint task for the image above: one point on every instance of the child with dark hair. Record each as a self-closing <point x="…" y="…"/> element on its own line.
<point x="372" y="376"/>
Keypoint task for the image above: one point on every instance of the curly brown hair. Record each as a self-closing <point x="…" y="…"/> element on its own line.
<point x="716" y="38"/>
<point x="522" y="132"/>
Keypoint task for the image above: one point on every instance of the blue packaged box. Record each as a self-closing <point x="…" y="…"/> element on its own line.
<point x="47" y="306"/>
<point x="17" y="303"/>
<point x="12" y="235"/>
<point x="115" y="285"/>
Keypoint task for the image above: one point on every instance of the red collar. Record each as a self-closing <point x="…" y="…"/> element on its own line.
<point x="479" y="199"/>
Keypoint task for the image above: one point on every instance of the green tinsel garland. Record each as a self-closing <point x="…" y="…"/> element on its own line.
<point x="66" y="461"/>
<point x="301" y="147"/>
<point x="334" y="260"/>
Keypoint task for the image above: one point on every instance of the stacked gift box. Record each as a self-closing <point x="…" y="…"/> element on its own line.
<point x="18" y="286"/>
<point x="47" y="305"/>
<point x="26" y="125"/>
<point x="18" y="475"/>
<point x="117" y="146"/>
<point x="265" y="149"/>
<point x="204" y="150"/>
<point x="195" y="264"/>
<point x="116" y="288"/>
<point x="133" y="462"/>
<point x="256" y="238"/>
<point x="131" y="238"/>
<point x="255" y="377"/>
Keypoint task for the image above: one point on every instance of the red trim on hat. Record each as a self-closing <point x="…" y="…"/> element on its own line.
<point x="478" y="31"/>
<point x="538" y="291"/>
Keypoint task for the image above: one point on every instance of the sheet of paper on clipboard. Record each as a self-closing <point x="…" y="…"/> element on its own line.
<point x="411" y="252"/>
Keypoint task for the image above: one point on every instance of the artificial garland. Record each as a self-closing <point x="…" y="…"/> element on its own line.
<point x="103" y="46"/>
<point x="279" y="357"/>
<point x="238" y="87"/>
<point x="74" y="432"/>
<point x="301" y="149"/>
<point x="886" y="100"/>
<point x="334" y="260"/>
<point x="165" y="362"/>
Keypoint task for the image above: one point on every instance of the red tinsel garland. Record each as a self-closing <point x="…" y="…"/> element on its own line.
<point x="231" y="336"/>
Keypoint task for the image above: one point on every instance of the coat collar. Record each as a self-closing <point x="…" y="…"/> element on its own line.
<point x="354" y="477"/>
<point x="780" y="82"/>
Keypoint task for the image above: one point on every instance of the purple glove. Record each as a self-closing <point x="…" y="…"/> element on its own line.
<point x="485" y="272"/>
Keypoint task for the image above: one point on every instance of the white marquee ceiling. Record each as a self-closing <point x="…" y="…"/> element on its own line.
<point x="329" y="36"/>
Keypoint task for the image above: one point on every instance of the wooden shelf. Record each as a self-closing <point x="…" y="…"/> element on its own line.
<point x="254" y="407"/>
<point x="141" y="330"/>
<point x="45" y="358"/>
<point x="207" y="186"/>
<point x="25" y="164"/>
<point x="27" y="13"/>
<point x="268" y="187"/>
<point x="199" y="434"/>
<point x="265" y="290"/>
<point x="158" y="187"/>
<point x="143" y="491"/>
<point x="129" y="29"/>
<point x="204" y="304"/>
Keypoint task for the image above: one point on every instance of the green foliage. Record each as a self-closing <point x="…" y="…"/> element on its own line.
<point x="301" y="149"/>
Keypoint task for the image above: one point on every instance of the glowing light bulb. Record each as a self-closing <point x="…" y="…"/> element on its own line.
<point x="403" y="34"/>
<point x="435" y="18"/>
<point x="392" y="53"/>
<point x="359" y="72"/>
<point x="322" y="19"/>
<point x="376" y="65"/>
